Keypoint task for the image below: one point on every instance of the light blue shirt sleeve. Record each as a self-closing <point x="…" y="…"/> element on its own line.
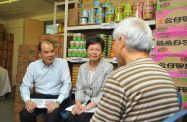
<point x="66" y="79"/>
<point x="27" y="84"/>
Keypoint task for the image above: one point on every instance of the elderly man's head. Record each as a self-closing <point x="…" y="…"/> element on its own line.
<point x="134" y="35"/>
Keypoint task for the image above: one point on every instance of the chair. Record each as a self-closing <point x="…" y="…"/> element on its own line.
<point x="179" y="99"/>
<point x="181" y="115"/>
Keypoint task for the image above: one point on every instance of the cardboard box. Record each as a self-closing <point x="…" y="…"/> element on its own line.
<point x="171" y="4"/>
<point x="175" y="64"/>
<point x="27" y="49"/>
<point x="172" y="17"/>
<point x="180" y="82"/>
<point x="4" y="45"/>
<point x="1" y="28"/>
<point x="171" y="42"/>
<point x="18" y="98"/>
<point x="87" y="4"/>
<point x="8" y="37"/>
<point x="4" y="53"/>
<point x="3" y="63"/>
<point x="24" y="58"/>
<point x="1" y="36"/>
<point x="73" y="17"/>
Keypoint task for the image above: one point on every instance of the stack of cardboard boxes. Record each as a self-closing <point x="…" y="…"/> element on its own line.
<point x="171" y="40"/>
<point x="6" y="51"/>
<point x="27" y="54"/>
<point x="74" y="74"/>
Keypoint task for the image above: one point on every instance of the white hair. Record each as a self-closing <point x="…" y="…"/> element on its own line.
<point x="137" y="32"/>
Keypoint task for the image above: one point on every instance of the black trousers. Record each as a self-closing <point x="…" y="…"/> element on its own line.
<point x="54" y="116"/>
<point x="83" y="117"/>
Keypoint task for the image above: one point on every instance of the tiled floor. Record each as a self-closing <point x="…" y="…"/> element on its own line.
<point x="6" y="109"/>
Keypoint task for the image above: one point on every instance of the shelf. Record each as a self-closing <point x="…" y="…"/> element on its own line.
<point x="101" y="26"/>
<point x="80" y="60"/>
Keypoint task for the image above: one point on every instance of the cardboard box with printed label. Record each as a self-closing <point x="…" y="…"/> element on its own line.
<point x="175" y="64"/>
<point x="171" y="4"/>
<point x="170" y="41"/>
<point x="172" y="18"/>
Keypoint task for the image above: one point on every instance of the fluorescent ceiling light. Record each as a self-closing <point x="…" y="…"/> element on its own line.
<point x="8" y="1"/>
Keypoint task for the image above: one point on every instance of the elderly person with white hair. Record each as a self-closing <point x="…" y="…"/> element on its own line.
<point x="139" y="90"/>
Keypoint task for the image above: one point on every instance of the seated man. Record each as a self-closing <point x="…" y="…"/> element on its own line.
<point x="139" y="90"/>
<point x="51" y="78"/>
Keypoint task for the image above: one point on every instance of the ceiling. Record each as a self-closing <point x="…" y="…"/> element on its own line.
<point x="25" y="8"/>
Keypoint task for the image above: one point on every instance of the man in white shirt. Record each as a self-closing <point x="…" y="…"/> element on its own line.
<point x="51" y="79"/>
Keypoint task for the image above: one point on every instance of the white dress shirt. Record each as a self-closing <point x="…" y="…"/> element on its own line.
<point x="53" y="79"/>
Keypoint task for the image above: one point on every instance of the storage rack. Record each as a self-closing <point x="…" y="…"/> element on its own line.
<point x="67" y="30"/>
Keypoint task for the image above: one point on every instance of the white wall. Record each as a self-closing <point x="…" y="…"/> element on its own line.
<point x="16" y="27"/>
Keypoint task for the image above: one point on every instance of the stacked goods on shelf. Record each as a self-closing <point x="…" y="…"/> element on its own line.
<point x="107" y="11"/>
<point x="75" y="71"/>
<point x="105" y="38"/>
<point x="6" y="51"/>
<point x="26" y="55"/>
<point x="112" y="53"/>
<point x="108" y="45"/>
<point x="77" y="46"/>
<point x="170" y="49"/>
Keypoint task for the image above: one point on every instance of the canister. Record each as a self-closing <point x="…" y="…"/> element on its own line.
<point x="109" y="18"/>
<point x="148" y="10"/>
<point x="84" y="13"/>
<point x="118" y="13"/>
<point x="127" y="10"/>
<point x="92" y="16"/>
<point x="83" y="20"/>
<point x="97" y="3"/>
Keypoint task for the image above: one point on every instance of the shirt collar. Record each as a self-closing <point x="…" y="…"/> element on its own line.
<point x="44" y="65"/>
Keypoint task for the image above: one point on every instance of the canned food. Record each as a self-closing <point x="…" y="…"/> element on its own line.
<point x="83" y="21"/>
<point x="148" y="10"/>
<point x="92" y="17"/>
<point x="118" y="14"/>
<point x="99" y="18"/>
<point x="109" y="10"/>
<point x="109" y="18"/>
<point x="84" y="13"/>
<point x="96" y="3"/>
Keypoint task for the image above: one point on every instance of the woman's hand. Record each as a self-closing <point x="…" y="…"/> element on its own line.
<point x="76" y="109"/>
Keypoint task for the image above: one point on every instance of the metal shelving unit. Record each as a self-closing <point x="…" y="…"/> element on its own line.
<point x="70" y="29"/>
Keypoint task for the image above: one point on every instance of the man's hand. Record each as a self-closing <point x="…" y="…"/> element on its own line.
<point x="51" y="106"/>
<point x="30" y="106"/>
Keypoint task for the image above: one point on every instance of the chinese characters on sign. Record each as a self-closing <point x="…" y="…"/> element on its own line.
<point x="171" y="42"/>
<point x="176" y="19"/>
